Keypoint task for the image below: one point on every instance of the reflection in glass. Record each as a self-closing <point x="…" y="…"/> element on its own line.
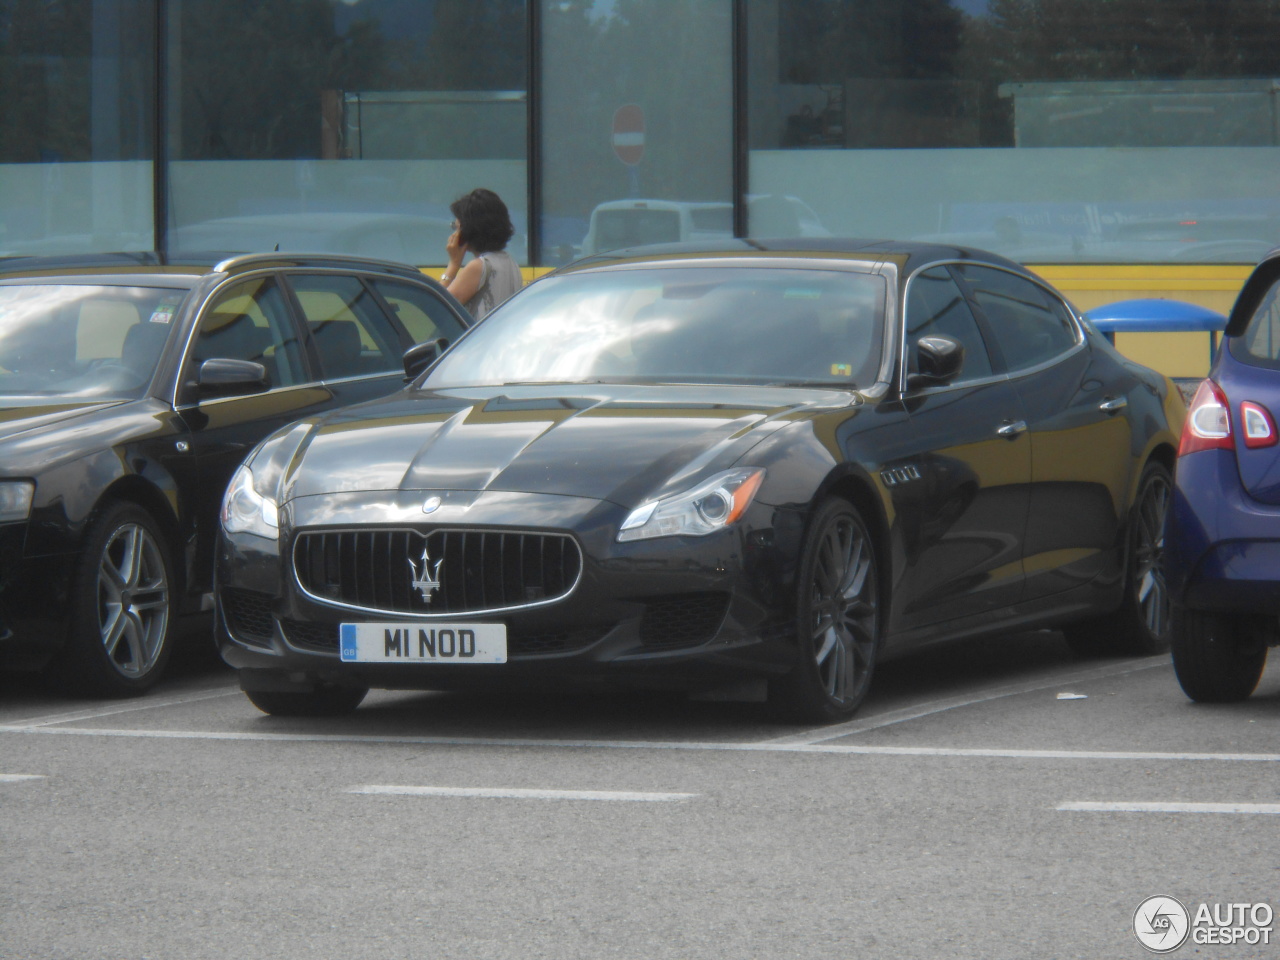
<point x="1046" y="130"/>
<point x="679" y="324"/>
<point x="76" y="126"/>
<point x="637" y="114"/>
<point x="343" y="126"/>
<point x="82" y="341"/>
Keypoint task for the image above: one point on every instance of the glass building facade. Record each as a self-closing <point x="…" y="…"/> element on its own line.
<point x="1057" y="132"/>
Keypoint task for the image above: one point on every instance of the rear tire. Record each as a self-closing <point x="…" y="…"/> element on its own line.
<point x="1218" y="658"/>
<point x="323" y="702"/>
<point x="837" y="620"/>
<point x="1140" y="627"/>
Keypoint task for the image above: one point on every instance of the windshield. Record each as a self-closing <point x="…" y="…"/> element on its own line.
<point x="758" y="324"/>
<point x="82" y="340"/>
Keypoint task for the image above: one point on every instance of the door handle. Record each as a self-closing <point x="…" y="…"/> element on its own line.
<point x="1111" y="406"/>
<point x="1011" y="428"/>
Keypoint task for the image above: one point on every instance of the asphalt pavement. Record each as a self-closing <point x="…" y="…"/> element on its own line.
<point x="995" y="798"/>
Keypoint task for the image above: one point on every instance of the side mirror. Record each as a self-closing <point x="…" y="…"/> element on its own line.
<point x="224" y="377"/>
<point x="938" y="360"/>
<point x="422" y="355"/>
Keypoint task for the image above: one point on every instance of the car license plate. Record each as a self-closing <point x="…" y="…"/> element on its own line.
<point x="423" y="643"/>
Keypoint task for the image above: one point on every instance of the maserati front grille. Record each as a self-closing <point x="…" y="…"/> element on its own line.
<point x="442" y="572"/>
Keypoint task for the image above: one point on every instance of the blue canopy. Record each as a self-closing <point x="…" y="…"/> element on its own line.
<point x="1154" y="315"/>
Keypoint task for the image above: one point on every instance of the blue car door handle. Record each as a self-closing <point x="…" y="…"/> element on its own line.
<point x="1011" y="428"/>
<point x="1111" y="406"/>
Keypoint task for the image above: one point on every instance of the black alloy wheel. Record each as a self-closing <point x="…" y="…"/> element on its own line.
<point x="122" y="607"/>
<point x="1141" y="626"/>
<point x="837" y="620"/>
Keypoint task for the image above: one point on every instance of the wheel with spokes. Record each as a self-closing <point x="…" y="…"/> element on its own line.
<point x="1141" y="625"/>
<point x="837" y="620"/>
<point x="121" y="624"/>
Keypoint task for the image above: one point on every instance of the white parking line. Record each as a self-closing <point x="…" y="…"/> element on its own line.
<point x="732" y="747"/>
<point x="19" y="777"/>
<point x="1085" y="806"/>
<point x="518" y="793"/>
<point x="889" y="718"/>
<point x="93" y="714"/>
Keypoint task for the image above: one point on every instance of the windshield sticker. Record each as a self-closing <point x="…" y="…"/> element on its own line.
<point x="842" y="370"/>
<point x="796" y="293"/>
<point x="162" y="313"/>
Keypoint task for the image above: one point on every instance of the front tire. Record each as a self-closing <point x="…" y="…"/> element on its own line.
<point x="837" y="620"/>
<point x="122" y="616"/>
<point x="1218" y="658"/>
<point x="321" y="702"/>
<point x="1141" y="626"/>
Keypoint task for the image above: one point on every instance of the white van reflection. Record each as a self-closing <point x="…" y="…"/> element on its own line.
<point x="629" y="223"/>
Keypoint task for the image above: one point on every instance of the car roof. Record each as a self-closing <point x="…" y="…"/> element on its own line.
<point x="908" y="254"/>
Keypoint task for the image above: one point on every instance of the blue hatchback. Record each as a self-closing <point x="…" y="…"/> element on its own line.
<point x="1222" y="545"/>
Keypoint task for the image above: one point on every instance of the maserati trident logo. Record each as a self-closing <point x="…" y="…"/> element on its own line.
<point x="428" y="582"/>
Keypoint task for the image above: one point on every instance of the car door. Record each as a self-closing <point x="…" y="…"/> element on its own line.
<point x="961" y="501"/>
<point x="247" y="319"/>
<point x="358" y="349"/>
<point x="1081" y="443"/>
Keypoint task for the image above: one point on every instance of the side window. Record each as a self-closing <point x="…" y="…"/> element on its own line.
<point x="422" y="313"/>
<point x="1261" y="338"/>
<point x="351" y="333"/>
<point x="250" y="321"/>
<point x="935" y="305"/>
<point x="1030" y="325"/>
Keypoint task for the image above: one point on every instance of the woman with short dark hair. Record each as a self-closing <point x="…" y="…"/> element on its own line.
<point x="481" y="226"/>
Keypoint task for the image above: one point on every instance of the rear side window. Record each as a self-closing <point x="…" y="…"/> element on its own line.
<point x="1030" y="325"/>
<point x="935" y="306"/>
<point x="1260" y="344"/>
<point x="419" y="311"/>
<point x="351" y="333"/>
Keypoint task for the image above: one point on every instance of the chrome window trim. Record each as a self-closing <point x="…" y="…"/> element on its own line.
<point x="1011" y="375"/>
<point x="428" y="617"/>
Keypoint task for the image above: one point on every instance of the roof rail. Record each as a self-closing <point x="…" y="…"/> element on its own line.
<point x="255" y="261"/>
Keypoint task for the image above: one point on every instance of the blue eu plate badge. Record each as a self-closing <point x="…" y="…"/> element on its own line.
<point x="349" y="641"/>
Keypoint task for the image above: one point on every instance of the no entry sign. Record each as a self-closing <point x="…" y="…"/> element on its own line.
<point x="628" y="134"/>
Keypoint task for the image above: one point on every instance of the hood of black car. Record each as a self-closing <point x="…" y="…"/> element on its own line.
<point x="19" y="415"/>
<point x="620" y="443"/>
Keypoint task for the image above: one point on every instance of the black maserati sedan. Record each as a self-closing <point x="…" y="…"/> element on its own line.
<point x="745" y="470"/>
<point x="130" y="390"/>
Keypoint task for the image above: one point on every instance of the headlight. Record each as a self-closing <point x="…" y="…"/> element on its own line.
<point x="709" y="507"/>
<point x="15" y="500"/>
<point x="245" y="510"/>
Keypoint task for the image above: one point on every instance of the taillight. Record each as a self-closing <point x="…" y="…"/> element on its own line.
<point x="1208" y="423"/>
<point x="1257" y="426"/>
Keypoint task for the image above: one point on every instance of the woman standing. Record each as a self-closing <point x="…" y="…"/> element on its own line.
<point x="481" y="226"/>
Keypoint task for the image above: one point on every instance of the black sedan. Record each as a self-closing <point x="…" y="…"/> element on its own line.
<point x="748" y="470"/>
<point x="129" y="393"/>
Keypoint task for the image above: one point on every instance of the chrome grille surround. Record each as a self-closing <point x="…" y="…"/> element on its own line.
<point x="481" y="572"/>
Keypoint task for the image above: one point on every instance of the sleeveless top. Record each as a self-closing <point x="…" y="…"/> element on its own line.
<point x="500" y="277"/>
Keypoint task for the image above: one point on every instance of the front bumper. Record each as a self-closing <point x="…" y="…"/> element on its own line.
<point x="1222" y="548"/>
<point x="34" y="598"/>
<point x="673" y="613"/>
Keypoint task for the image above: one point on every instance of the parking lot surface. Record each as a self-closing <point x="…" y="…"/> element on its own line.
<point x="996" y="798"/>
